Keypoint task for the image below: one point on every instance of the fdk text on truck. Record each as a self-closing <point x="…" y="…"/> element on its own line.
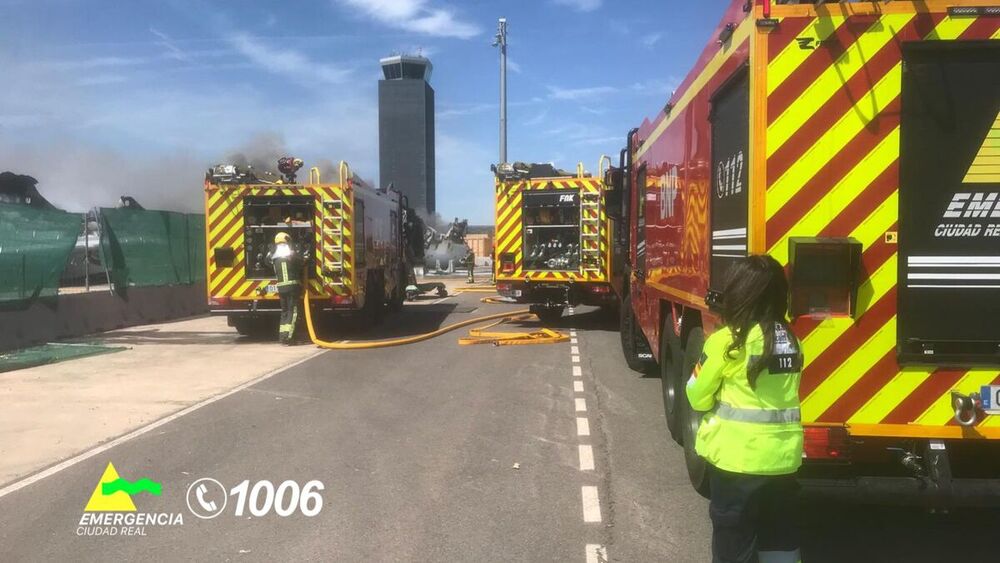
<point x="552" y="238"/>
<point x="349" y="233"/>
<point x="859" y="145"/>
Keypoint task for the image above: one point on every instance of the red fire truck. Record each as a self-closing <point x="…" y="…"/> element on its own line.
<point x="859" y="145"/>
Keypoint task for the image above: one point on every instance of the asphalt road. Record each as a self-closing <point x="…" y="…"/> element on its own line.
<point x="438" y="452"/>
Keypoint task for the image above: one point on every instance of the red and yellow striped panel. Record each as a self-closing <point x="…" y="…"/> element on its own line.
<point x="832" y="148"/>
<point x="509" y="229"/>
<point x="224" y="228"/>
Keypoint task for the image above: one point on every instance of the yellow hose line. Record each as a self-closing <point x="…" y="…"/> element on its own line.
<point x="398" y="341"/>
<point x="495" y="301"/>
<point x="482" y="336"/>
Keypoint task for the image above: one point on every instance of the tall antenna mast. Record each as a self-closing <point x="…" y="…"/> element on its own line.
<point x="501" y="41"/>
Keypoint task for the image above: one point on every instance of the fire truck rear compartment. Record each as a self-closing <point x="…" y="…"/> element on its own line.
<point x="266" y="216"/>
<point x="551" y="230"/>
<point x="949" y="216"/>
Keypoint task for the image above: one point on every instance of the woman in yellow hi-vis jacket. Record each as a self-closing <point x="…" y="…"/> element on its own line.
<point x="748" y="380"/>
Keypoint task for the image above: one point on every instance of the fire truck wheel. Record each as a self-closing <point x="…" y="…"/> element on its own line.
<point x="255" y="328"/>
<point x="672" y="379"/>
<point x="398" y="295"/>
<point x="374" y="299"/>
<point x="549" y="315"/>
<point x="629" y="332"/>
<point x="697" y="467"/>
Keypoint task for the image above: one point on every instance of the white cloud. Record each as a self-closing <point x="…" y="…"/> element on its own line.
<point x="656" y="86"/>
<point x="536" y="119"/>
<point x="286" y="62"/>
<point x="580" y="5"/>
<point x="513" y="66"/>
<point x="577" y="94"/>
<point x="463" y="110"/>
<point x="416" y="16"/>
<point x="173" y="51"/>
<point x="649" y="40"/>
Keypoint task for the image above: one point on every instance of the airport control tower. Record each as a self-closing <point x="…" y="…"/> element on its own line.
<point x="406" y="129"/>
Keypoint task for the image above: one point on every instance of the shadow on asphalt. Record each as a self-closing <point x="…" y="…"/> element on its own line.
<point x="593" y="320"/>
<point x="166" y="336"/>
<point x="411" y="321"/>
<point x="838" y="533"/>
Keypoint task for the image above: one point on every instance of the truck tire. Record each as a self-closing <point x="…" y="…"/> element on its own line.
<point x="549" y="315"/>
<point x="672" y="379"/>
<point x="257" y="329"/>
<point x="629" y="332"/>
<point x="697" y="467"/>
<point x="374" y="305"/>
<point x="398" y="295"/>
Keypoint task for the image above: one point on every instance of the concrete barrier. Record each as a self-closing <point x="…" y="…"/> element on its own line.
<point x="69" y="316"/>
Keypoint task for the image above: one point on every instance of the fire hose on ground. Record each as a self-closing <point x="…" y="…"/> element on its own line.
<point x="476" y="336"/>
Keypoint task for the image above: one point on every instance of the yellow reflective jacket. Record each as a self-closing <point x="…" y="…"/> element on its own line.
<point x="753" y="431"/>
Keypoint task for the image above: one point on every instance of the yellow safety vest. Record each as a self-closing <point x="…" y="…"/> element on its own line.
<point x="753" y="431"/>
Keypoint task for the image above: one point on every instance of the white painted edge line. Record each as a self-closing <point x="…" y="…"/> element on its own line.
<point x="581" y="405"/>
<point x="575" y="350"/>
<point x="591" y="504"/>
<point x="577" y="371"/>
<point x="572" y="333"/>
<point x="596" y="553"/>
<point x="572" y="340"/>
<point x="575" y="359"/>
<point x="18" y="485"/>
<point x="578" y="386"/>
<point x="586" y="458"/>
<point x="582" y="426"/>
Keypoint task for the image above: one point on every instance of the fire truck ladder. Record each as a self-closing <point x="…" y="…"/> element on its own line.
<point x="590" y="232"/>
<point x="333" y="241"/>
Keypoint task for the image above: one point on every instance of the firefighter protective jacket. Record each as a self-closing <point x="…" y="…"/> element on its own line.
<point x="288" y="270"/>
<point x="752" y="431"/>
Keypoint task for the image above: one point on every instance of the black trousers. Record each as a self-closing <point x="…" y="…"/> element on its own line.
<point x="754" y="517"/>
<point x="289" y="314"/>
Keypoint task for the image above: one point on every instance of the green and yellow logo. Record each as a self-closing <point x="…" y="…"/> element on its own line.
<point x="114" y="494"/>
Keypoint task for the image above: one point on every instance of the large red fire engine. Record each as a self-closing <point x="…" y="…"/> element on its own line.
<point x="859" y="145"/>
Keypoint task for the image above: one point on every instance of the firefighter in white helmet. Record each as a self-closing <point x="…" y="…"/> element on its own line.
<point x="748" y="379"/>
<point x="288" y="270"/>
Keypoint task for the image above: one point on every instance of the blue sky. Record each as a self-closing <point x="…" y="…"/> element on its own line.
<point x="104" y="98"/>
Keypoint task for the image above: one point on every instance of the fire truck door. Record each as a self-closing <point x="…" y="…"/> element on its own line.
<point x="730" y="121"/>
<point x="949" y="203"/>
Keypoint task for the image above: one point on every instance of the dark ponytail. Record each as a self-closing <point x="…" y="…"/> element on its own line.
<point x="755" y="293"/>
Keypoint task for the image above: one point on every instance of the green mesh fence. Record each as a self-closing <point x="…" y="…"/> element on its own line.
<point x="34" y="247"/>
<point x="50" y="354"/>
<point x="150" y="248"/>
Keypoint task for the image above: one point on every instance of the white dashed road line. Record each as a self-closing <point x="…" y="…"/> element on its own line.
<point x="591" y="504"/>
<point x="590" y="496"/>
<point x="586" y="458"/>
<point x="596" y="553"/>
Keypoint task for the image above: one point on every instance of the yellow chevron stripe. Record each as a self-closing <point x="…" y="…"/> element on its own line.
<point x="740" y="35"/>
<point x="890" y="396"/>
<point x="792" y="56"/>
<point x="941" y="411"/>
<point x="833" y="79"/>
<point x="849" y="188"/>
<point x="830" y="330"/>
<point x="985" y="168"/>
<point x="849" y="372"/>
<point x="843" y="132"/>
